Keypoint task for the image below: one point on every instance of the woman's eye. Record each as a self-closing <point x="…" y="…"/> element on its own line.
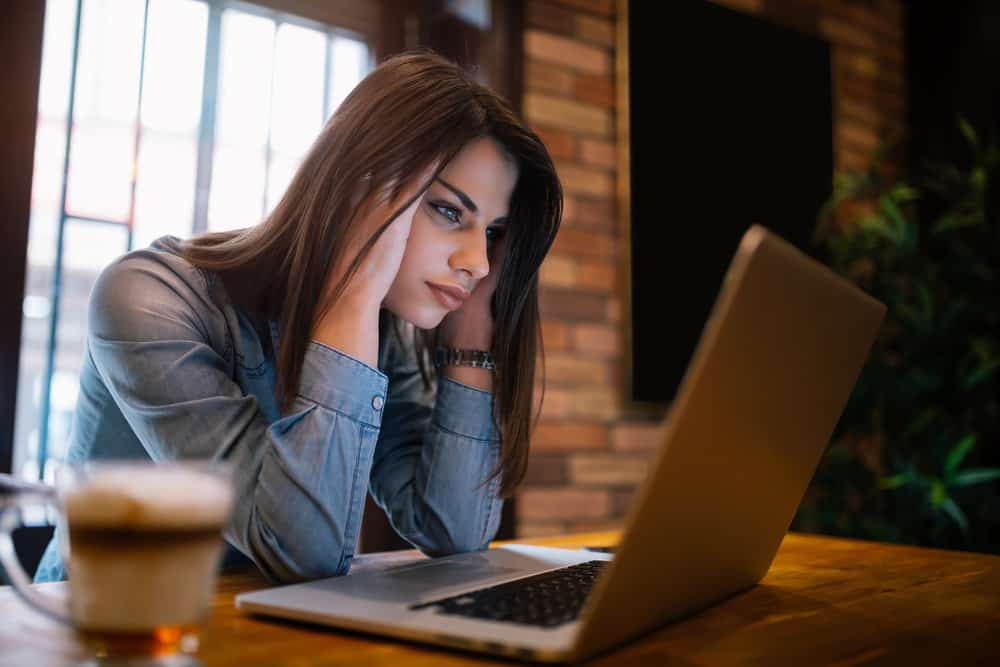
<point x="449" y="212"/>
<point x="494" y="234"/>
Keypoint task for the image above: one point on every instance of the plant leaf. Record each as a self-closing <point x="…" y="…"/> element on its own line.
<point x="956" y="513"/>
<point x="981" y="373"/>
<point x="968" y="131"/>
<point x="939" y="493"/>
<point x="876" y="225"/>
<point x="976" y="476"/>
<point x="952" y="221"/>
<point x="922" y="421"/>
<point x="903" y="192"/>
<point x="895" y="481"/>
<point x="958" y="453"/>
<point x="895" y="216"/>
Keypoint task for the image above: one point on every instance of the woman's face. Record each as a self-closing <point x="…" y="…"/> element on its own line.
<point x="454" y="227"/>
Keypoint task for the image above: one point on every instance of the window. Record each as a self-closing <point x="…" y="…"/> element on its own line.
<point x="155" y="117"/>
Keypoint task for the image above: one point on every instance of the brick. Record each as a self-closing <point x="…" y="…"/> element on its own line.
<point x="848" y="66"/>
<point x="598" y="276"/>
<point x="544" y="77"/>
<point x="595" y="403"/>
<point x="595" y="30"/>
<point x="596" y="212"/>
<point x="561" y="145"/>
<point x="556" y="404"/>
<point x="565" y="304"/>
<point x="856" y="136"/>
<point x="573" y="369"/>
<point x="860" y="64"/>
<point x="542" y="109"/>
<point x="550" y="17"/>
<point x="852" y="160"/>
<point x="555" y="335"/>
<point x="637" y="436"/>
<point x="621" y="501"/>
<point x="572" y="53"/>
<point x="614" y="310"/>
<point x="842" y="33"/>
<point x="563" y="503"/>
<point x="599" y="7"/>
<point x="606" y="470"/>
<point x="876" y="21"/>
<point x="526" y="529"/>
<point x="569" y="436"/>
<point x="584" y="243"/>
<point x="546" y="469"/>
<point x="569" y="211"/>
<point x="597" y="339"/>
<point x="857" y="111"/>
<point x="594" y="526"/>
<point x="584" y="180"/>
<point x="599" y="153"/>
<point x="596" y="90"/>
<point x="558" y="271"/>
<point x="872" y="93"/>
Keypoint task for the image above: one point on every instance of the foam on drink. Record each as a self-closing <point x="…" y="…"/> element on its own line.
<point x="156" y="497"/>
<point x="144" y="545"/>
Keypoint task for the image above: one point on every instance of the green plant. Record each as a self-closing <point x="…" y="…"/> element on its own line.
<point x="916" y="455"/>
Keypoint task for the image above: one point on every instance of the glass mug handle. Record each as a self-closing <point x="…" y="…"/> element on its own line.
<point x="10" y="519"/>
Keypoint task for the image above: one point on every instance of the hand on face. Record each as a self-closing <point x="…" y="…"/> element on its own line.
<point x="471" y="325"/>
<point x="455" y="245"/>
<point x="372" y="279"/>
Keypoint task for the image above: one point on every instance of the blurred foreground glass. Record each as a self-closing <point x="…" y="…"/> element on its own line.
<point x="141" y="542"/>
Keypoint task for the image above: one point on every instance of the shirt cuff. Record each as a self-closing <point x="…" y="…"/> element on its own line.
<point x="464" y="410"/>
<point x="342" y="383"/>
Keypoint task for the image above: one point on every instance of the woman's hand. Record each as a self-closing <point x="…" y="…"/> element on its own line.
<point x="350" y="324"/>
<point x="471" y="325"/>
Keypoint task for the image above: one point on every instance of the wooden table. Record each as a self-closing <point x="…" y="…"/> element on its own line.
<point x="825" y="601"/>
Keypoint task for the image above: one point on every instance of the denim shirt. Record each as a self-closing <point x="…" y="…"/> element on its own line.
<point x="173" y="370"/>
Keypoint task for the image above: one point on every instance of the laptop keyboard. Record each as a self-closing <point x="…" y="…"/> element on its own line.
<point x="546" y="600"/>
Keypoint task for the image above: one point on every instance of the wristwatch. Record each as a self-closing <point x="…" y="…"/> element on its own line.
<point x="454" y="356"/>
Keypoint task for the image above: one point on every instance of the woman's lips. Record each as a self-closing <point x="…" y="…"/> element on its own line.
<point x="450" y="296"/>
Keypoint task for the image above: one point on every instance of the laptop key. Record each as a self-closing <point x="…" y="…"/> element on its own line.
<point x="546" y="600"/>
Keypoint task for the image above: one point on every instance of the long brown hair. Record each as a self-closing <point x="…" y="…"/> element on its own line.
<point x="414" y="111"/>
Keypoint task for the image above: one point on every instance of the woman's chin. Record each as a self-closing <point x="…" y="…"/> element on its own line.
<point x="421" y="318"/>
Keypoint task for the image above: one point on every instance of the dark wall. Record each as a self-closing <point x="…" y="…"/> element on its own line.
<point x="730" y="125"/>
<point x="952" y="65"/>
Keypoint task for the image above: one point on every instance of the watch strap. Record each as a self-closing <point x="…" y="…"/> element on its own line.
<point x="456" y="356"/>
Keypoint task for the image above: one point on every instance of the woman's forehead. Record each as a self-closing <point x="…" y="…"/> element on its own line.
<point x="484" y="169"/>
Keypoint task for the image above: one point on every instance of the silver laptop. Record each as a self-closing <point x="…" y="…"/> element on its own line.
<point x="777" y="359"/>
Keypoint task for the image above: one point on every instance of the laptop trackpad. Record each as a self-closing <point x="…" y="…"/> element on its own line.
<point x="408" y="582"/>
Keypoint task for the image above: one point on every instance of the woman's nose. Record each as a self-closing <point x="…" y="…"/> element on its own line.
<point x="472" y="256"/>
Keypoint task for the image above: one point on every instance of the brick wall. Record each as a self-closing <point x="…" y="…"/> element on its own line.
<point x="587" y="457"/>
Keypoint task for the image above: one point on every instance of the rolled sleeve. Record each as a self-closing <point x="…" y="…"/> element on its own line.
<point x="343" y="384"/>
<point x="463" y="410"/>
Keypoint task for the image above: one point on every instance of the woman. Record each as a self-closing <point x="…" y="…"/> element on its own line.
<point x="377" y="331"/>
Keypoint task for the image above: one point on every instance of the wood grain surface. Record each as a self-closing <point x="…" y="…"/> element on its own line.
<point x="825" y="601"/>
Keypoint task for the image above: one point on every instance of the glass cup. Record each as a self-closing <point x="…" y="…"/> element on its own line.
<point x="141" y="543"/>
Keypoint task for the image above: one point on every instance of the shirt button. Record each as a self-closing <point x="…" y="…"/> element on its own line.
<point x="377" y="402"/>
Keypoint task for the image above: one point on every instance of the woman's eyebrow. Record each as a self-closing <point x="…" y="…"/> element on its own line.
<point x="464" y="198"/>
<point x="466" y="202"/>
